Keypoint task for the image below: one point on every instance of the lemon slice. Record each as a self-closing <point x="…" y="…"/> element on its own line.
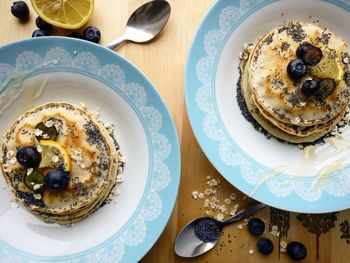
<point x="329" y="67"/>
<point x="71" y="14"/>
<point x="53" y="155"/>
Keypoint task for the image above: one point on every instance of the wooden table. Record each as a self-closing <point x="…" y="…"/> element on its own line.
<point x="163" y="61"/>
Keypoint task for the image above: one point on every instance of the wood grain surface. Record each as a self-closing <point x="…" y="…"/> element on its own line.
<point x="164" y="62"/>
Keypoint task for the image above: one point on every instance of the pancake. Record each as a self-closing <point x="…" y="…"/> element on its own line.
<point x="94" y="154"/>
<point x="276" y="101"/>
<point x="281" y="96"/>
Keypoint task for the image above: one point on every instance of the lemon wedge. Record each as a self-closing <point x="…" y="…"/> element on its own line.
<point x="329" y="67"/>
<point x="71" y="14"/>
<point x="53" y="155"/>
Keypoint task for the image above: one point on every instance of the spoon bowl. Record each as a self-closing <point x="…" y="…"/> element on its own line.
<point x="145" y="23"/>
<point x="202" y="234"/>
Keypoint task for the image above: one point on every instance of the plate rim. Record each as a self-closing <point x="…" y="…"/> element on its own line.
<point x="168" y="127"/>
<point x="193" y="83"/>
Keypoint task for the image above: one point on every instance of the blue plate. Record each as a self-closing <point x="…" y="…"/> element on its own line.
<point x="36" y="71"/>
<point x="264" y="169"/>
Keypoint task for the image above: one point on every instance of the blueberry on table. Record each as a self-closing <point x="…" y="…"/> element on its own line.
<point x="265" y="246"/>
<point x="296" y="250"/>
<point x="42" y="24"/>
<point x="20" y="10"/>
<point x="92" y="34"/>
<point x="56" y="179"/>
<point x="296" y="69"/>
<point x="310" y="87"/>
<point x="312" y="56"/>
<point x="40" y="33"/>
<point x="327" y="86"/>
<point x="28" y="157"/>
<point x="34" y="181"/>
<point x="301" y="50"/>
<point x="256" y="226"/>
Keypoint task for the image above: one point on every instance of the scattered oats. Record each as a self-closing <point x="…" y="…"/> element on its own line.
<point x="208" y="191"/>
<point x="213" y="182"/>
<point x="219" y="216"/>
<point x="200" y="195"/>
<point x="39" y="148"/>
<point x="55" y="159"/>
<point x="302" y="104"/>
<point x="37" y="196"/>
<point x="38" y="132"/>
<point x="283" y="244"/>
<point x="208" y="212"/>
<point x="274" y="227"/>
<point x="37" y="186"/>
<point x="83" y="106"/>
<point x="236" y="206"/>
<point x="29" y="171"/>
<point x="48" y="123"/>
<point x="245" y="46"/>
<point x="283" y="250"/>
<point x="120" y="178"/>
<point x="13" y="160"/>
<point x="223" y="209"/>
<point x="245" y="222"/>
<point x="233" y="212"/>
<point x="206" y="203"/>
<point x="32" y="183"/>
<point x="195" y="194"/>
<point x="233" y="196"/>
<point x="213" y="205"/>
<point x="251" y="251"/>
<point x="83" y="166"/>
<point x="208" y="177"/>
<point x="277" y="234"/>
<point x="240" y="226"/>
<point x="10" y="154"/>
<point x="228" y="201"/>
<point x="46" y="136"/>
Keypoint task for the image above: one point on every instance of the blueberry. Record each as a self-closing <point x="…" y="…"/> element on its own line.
<point x="256" y="226"/>
<point x="296" y="69"/>
<point x="40" y="33"/>
<point x="312" y="56"/>
<point x="28" y="157"/>
<point x="303" y="48"/>
<point x="20" y="10"/>
<point x="42" y="24"/>
<point x="310" y="87"/>
<point x="296" y="250"/>
<point x="56" y="179"/>
<point x="265" y="246"/>
<point x="92" y="34"/>
<point x="327" y="86"/>
<point x="75" y="35"/>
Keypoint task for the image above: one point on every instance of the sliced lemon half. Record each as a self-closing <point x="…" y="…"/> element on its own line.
<point x="54" y="155"/>
<point x="71" y="14"/>
<point x="329" y="67"/>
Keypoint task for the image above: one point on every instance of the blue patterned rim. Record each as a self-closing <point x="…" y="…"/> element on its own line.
<point x="249" y="176"/>
<point x="28" y="58"/>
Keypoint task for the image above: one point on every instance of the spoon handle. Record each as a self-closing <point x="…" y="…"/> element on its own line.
<point x="116" y="42"/>
<point x="244" y="213"/>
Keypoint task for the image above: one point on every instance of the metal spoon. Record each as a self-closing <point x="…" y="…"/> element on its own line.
<point x="188" y="245"/>
<point x="145" y="23"/>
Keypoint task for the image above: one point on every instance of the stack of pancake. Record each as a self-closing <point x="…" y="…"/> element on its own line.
<point x="95" y="162"/>
<point x="276" y="101"/>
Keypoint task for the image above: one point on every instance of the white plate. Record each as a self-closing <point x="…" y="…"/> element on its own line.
<point x="38" y="71"/>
